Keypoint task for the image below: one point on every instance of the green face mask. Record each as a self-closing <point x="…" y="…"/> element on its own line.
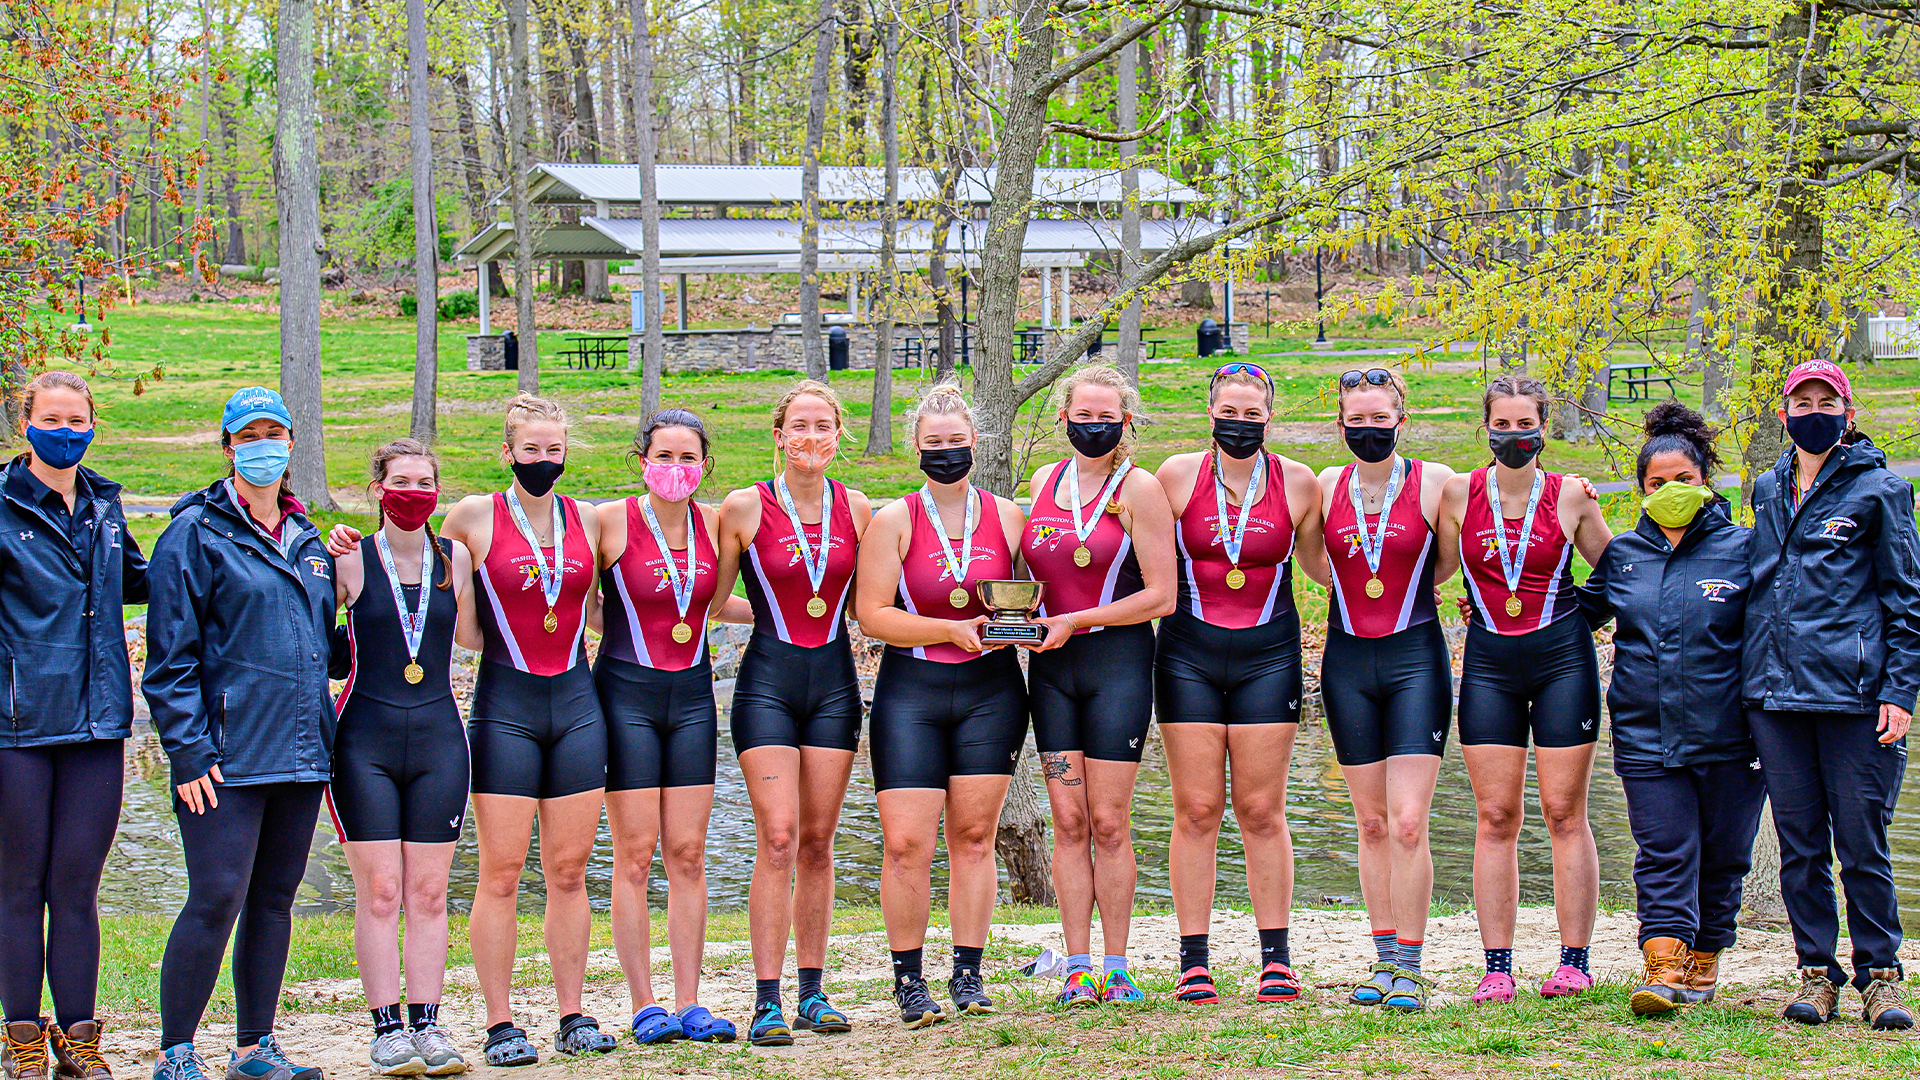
<point x="1675" y="505"/>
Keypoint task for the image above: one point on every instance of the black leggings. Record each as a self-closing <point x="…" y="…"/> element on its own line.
<point x="245" y="859"/>
<point x="1388" y="696"/>
<point x="1094" y="694"/>
<point x="61" y="805"/>
<point x="933" y="721"/>
<point x="663" y="730"/>
<point x="1207" y="674"/>
<point x="1545" y="682"/>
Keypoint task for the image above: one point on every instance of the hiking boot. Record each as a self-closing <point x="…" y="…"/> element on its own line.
<point x="76" y="1051"/>
<point x="24" y="1057"/>
<point x="917" y="1007"/>
<point x="1703" y="973"/>
<point x="969" y="994"/>
<point x="1664" y="988"/>
<point x="1818" y="1000"/>
<point x="1886" y="1001"/>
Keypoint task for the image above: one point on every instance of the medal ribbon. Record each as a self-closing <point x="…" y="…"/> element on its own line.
<point x="1085" y="529"/>
<point x="1373" y="544"/>
<point x="1232" y="539"/>
<point x="1513" y="564"/>
<point x="682" y="585"/>
<point x="956" y="565"/>
<point x="413" y="624"/>
<point x="816" y="567"/>
<point x="549" y="575"/>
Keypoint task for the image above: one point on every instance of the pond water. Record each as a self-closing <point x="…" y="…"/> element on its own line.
<point x="145" y="873"/>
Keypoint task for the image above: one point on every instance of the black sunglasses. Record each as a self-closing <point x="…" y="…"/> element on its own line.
<point x="1371" y="376"/>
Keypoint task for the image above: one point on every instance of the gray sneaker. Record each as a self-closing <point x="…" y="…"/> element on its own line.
<point x="268" y="1062"/>
<point x="180" y="1062"/>
<point x="394" y="1055"/>
<point x="435" y="1047"/>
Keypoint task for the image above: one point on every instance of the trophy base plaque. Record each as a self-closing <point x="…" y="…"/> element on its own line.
<point x="1021" y="632"/>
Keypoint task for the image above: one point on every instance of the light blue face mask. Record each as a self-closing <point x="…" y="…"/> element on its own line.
<point x="262" y="462"/>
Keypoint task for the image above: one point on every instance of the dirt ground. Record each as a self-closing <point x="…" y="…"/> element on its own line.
<point x="1331" y="947"/>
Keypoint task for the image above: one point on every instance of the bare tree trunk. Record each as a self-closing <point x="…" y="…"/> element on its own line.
<point x="472" y="165"/>
<point x="880" y="416"/>
<point x="426" y="229"/>
<point x="1127" y="118"/>
<point x="230" y="190"/>
<point x="654" y="347"/>
<point x="812" y="349"/>
<point x="519" y="121"/>
<point x="296" y="180"/>
<point x="1021" y="840"/>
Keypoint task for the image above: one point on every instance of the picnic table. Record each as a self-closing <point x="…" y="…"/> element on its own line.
<point x="1639" y="377"/>
<point x="589" y="351"/>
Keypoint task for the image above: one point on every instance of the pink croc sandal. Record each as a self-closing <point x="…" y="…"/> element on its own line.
<point x="1566" y="981"/>
<point x="1495" y="988"/>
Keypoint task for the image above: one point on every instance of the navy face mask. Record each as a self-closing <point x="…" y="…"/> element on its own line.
<point x="1816" y="432"/>
<point x="1371" y="443"/>
<point x="59" y="448"/>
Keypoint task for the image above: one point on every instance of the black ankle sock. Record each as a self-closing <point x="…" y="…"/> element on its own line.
<point x="568" y="1019"/>
<point x="810" y="982"/>
<point x="1193" y="951"/>
<point x="422" y="1013"/>
<point x="906" y="965"/>
<point x="386" y="1018"/>
<point x="1499" y="961"/>
<point x="1273" y="947"/>
<point x="495" y="1029"/>
<point x="766" y="992"/>
<point x="967" y="958"/>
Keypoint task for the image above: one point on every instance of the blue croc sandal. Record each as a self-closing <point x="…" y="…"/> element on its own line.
<point x="703" y="1026"/>
<point x="654" y="1024"/>
<point x="816" y="1013"/>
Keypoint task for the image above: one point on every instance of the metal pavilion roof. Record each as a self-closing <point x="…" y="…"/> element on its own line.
<point x="577" y="183"/>
<point x="754" y="244"/>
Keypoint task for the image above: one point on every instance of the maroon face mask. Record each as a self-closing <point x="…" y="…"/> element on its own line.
<point x="408" y="508"/>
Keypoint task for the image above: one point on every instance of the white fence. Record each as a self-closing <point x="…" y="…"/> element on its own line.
<point x="1891" y="337"/>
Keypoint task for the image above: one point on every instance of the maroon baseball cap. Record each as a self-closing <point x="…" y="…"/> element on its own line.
<point x="1824" y="370"/>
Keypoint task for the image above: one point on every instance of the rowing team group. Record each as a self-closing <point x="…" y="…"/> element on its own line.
<point x="1780" y="659"/>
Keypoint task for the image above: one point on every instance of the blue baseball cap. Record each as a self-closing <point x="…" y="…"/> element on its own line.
<point x="253" y="403"/>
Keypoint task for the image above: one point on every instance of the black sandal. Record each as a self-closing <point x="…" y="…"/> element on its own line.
<point x="510" y="1049"/>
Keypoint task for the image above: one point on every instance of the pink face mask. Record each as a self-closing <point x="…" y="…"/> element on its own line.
<point x="811" y="453"/>
<point x="672" y="482"/>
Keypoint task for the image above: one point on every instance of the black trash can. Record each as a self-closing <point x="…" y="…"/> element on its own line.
<point x="837" y="349"/>
<point x="510" y="343"/>
<point x="1207" y="340"/>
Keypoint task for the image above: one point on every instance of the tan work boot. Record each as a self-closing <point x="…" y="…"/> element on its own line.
<point x="76" y="1052"/>
<point x="1818" y="1000"/>
<point x="1703" y="973"/>
<point x="24" y="1057"/>
<point x="1886" y="1001"/>
<point x="1665" y="987"/>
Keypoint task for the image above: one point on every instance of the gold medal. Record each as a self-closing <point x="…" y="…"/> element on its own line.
<point x="1236" y="578"/>
<point x="414" y="672"/>
<point x="1513" y="606"/>
<point x="553" y="621"/>
<point x="682" y="633"/>
<point x="958" y="598"/>
<point x="1375" y="588"/>
<point x="816" y="607"/>
<point x="1081" y="556"/>
<point x="1113" y="506"/>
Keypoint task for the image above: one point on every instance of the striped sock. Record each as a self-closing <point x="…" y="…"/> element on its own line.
<point x="1410" y="953"/>
<point x="1383" y="946"/>
<point x="1499" y="961"/>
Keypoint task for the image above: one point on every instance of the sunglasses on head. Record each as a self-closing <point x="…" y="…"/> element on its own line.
<point x="1371" y="376"/>
<point x="1240" y="367"/>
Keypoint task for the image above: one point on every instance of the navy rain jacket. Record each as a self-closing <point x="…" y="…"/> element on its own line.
<point x="237" y="645"/>
<point x="63" y="644"/>
<point x="1834" y="621"/>
<point x="1675" y="695"/>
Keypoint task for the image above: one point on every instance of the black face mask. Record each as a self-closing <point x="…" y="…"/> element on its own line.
<point x="1239" y="439"/>
<point x="947" y="465"/>
<point x="1816" y="432"/>
<point x="538" y="477"/>
<point x="1372" y="443"/>
<point x="1095" y="439"/>
<point x="1515" y="449"/>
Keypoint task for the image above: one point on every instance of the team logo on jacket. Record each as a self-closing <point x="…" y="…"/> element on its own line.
<point x="1716" y="589"/>
<point x="318" y="564"/>
<point x="1836" y="528"/>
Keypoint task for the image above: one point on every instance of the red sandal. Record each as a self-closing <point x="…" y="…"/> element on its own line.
<point x="1196" y="987"/>
<point x="1278" y="983"/>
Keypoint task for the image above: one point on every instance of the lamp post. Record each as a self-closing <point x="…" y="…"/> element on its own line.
<point x="82" y="327"/>
<point x="966" y="275"/>
<point x="1319" y="290"/>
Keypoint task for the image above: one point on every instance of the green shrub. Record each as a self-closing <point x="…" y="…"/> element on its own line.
<point x="455" y="305"/>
